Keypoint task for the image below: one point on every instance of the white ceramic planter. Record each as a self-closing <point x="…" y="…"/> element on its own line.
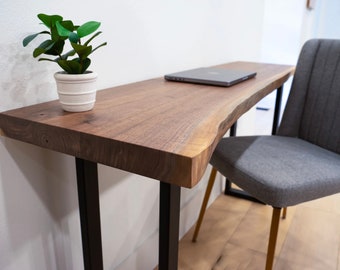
<point x="77" y="92"/>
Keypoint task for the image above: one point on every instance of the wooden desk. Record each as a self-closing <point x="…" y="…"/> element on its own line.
<point x="159" y="129"/>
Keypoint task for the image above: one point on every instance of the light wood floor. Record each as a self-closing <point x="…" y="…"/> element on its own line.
<point x="234" y="236"/>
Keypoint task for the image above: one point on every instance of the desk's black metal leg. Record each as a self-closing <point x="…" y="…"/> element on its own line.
<point x="88" y="196"/>
<point x="232" y="131"/>
<point x="169" y="211"/>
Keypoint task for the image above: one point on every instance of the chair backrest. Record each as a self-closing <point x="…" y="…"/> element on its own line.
<point x="312" y="112"/>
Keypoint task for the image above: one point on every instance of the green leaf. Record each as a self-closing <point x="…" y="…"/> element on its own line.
<point x="81" y="50"/>
<point x="86" y="64"/>
<point x="74" y="66"/>
<point x="49" y="20"/>
<point x="73" y="37"/>
<point x="46" y="59"/>
<point x="62" y="31"/>
<point x="43" y="47"/>
<point x="38" y="51"/>
<point x="65" y="29"/>
<point x="68" y="54"/>
<point x="90" y="39"/>
<point x="29" y="38"/>
<point x="57" y="48"/>
<point x="87" y="28"/>
<point x="70" y="66"/>
<point x="68" y="25"/>
<point x="55" y="35"/>
<point x="101" y="45"/>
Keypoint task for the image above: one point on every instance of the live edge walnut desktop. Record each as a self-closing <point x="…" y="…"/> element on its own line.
<point x="163" y="130"/>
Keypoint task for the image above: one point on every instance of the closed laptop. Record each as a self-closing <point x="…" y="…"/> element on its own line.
<point x="211" y="76"/>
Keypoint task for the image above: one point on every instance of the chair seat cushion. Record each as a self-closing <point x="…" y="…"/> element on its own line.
<point x="279" y="171"/>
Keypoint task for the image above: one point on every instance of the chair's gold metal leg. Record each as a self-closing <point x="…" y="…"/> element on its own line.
<point x="205" y="202"/>
<point x="272" y="238"/>
<point x="284" y="213"/>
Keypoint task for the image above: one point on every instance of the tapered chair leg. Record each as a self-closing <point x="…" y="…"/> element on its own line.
<point x="274" y="228"/>
<point x="204" y="203"/>
<point x="284" y="213"/>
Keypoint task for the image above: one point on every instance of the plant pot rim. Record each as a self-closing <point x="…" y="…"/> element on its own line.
<point x="88" y="75"/>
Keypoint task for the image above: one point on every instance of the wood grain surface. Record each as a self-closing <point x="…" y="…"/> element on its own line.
<point x="155" y="128"/>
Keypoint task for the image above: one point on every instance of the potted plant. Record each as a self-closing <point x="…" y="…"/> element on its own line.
<point x="75" y="84"/>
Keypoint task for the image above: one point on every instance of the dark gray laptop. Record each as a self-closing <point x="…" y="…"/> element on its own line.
<point x="211" y="76"/>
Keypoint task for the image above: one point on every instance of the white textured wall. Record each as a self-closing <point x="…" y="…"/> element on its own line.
<point x="287" y="25"/>
<point x="39" y="221"/>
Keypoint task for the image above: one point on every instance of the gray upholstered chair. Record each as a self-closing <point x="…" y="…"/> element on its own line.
<point x="302" y="162"/>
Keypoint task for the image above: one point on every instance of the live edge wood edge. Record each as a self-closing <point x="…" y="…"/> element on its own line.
<point x="158" y="129"/>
